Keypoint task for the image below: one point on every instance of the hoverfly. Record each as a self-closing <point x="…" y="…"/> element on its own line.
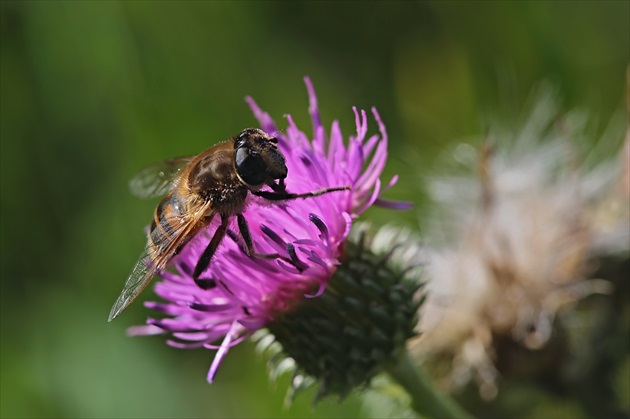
<point x="215" y="182"/>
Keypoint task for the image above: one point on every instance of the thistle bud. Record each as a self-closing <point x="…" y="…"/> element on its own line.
<point x="343" y="338"/>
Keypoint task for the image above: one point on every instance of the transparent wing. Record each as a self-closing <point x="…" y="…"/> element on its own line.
<point x="157" y="179"/>
<point x="141" y="274"/>
<point x="148" y="264"/>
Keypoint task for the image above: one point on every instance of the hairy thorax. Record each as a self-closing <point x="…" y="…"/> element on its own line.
<point x="214" y="179"/>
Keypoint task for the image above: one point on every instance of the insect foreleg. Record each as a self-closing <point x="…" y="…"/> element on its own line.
<point x="286" y="196"/>
<point x="205" y="258"/>
<point x="279" y="187"/>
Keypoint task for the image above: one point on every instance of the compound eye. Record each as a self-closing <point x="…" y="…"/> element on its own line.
<point x="240" y="142"/>
<point x="241" y="139"/>
<point x="250" y="167"/>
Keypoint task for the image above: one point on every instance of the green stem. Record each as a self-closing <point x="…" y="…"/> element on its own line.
<point x="427" y="400"/>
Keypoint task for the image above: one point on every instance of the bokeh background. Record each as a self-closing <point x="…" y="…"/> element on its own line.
<point x="91" y="92"/>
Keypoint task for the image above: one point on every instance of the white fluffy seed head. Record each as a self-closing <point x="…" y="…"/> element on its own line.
<point x="515" y="241"/>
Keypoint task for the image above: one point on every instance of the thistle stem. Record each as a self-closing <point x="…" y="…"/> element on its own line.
<point x="426" y="400"/>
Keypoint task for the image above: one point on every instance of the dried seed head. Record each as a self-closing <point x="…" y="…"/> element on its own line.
<point x="523" y="237"/>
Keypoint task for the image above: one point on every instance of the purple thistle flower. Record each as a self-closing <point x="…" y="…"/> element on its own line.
<point x="244" y="294"/>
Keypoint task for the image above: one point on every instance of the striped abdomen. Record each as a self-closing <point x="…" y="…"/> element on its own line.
<point x="167" y="223"/>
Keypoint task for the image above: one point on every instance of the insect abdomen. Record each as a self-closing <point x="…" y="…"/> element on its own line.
<point x="166" y="218"/>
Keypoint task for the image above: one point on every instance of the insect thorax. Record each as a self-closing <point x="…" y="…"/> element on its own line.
<point x="214" y="179"/>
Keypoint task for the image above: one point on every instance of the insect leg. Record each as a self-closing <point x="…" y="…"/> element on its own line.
<point x="243" y="227"/>
<point x="249" y="246"/>
<point x="207" y="254"/>
<point x="285" y="196"/>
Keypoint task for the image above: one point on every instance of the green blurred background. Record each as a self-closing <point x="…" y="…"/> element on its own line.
<point x="93" y="91"/>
